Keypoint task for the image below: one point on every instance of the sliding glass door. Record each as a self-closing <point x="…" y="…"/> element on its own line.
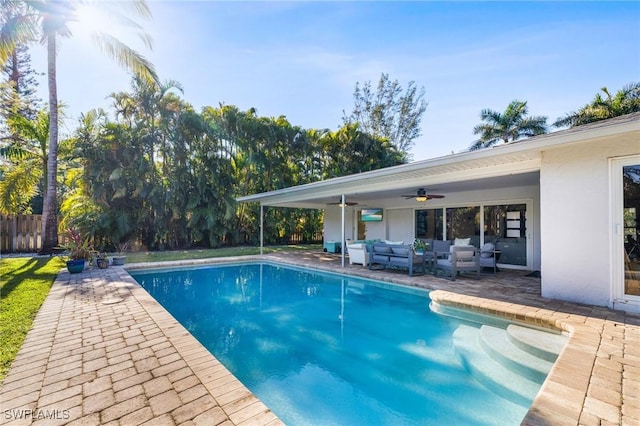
<point x="631" y="228"/>
<point x="430" y="223"/>
<point x="625" y="215"/>
<point x="504" y="225"/>
<point x="464" y="222"/>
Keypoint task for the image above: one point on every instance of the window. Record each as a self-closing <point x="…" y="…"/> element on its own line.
<point x="464" y="222"/>
<point x="429" y="223"/>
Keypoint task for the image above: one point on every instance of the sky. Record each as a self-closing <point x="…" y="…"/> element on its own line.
<point x="302" y="59"/>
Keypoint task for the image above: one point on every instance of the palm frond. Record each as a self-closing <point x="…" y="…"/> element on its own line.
<point x="476" y="145"/>
<point x="126" y="56"/>
<point x="16" y="30"/>
<point x="18" y="186"/>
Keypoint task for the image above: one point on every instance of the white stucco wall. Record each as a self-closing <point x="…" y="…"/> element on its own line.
<point x="377" y="230"/>
<point x="332" y="223"/>
<point x="575" y="222"/>
<point x="401" y="225"/>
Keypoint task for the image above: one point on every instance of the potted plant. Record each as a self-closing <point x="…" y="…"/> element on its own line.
<point x="419" y="246"/>
<point x="79" y="249"/>
<point x="122" y="248"/>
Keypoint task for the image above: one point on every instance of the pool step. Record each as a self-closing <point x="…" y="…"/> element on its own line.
<point x="496" y="342"/>
<point x="543" y="344"/>
<point x="491" y="357"/>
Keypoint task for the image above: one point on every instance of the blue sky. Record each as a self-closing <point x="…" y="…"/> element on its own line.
<point x="302" y="59"/>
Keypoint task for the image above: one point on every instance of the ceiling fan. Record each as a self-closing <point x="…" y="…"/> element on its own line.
<point x="339" y="203"/>
<point x="421" y="196"/>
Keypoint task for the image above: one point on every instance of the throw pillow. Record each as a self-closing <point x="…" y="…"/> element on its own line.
<point x="400" y="251"/>
<point x="462" y="241"/>
<point x="487" y="250"/>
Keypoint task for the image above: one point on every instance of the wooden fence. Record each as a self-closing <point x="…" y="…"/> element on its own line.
<point x="20" y="233"/>
<point x="299" y="238"/>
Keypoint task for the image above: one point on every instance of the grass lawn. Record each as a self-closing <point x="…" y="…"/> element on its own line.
<point x="25" y="283"/>
<point x="161" y="256"/>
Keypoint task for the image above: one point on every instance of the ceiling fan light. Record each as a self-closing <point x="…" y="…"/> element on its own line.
<point x="346" y="203"/>
<point x="421" y="198"/>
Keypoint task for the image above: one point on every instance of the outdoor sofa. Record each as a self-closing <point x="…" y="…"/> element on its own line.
<point x="358" y="250"/>
<point x="395" y="256"/>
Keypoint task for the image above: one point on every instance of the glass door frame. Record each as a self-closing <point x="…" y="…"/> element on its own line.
<point x="530" y="224"/>
<point x="616" y="206"/>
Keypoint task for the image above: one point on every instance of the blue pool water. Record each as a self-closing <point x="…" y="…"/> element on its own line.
<point x="323" y="349"/>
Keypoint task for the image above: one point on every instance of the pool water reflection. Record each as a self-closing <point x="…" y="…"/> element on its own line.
<point x="321" y="348"/>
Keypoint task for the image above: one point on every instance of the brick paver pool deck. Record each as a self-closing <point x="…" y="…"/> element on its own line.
<point x="102" y="351"/>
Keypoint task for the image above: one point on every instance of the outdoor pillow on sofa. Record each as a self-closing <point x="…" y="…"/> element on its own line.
<point x="400" y="251"/>
<point x="487" y="250"/>
<point x="462" y="241"/>
<point x="394" y="243"/>
<point x="382" y="249"/>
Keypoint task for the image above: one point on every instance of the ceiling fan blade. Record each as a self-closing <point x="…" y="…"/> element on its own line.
<point x="421" y="193"/>
<point x="348" y="203"/>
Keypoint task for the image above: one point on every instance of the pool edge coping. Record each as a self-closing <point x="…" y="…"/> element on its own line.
<point x="233" y="397"/>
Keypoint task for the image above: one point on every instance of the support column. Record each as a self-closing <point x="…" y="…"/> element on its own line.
<point x="261" y="228"/>
<point x="342" y="245"/>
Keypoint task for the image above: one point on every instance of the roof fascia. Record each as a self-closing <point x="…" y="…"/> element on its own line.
<point x="520" y="156"/>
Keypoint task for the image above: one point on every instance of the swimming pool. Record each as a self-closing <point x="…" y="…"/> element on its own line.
<point x="321" y="348"/>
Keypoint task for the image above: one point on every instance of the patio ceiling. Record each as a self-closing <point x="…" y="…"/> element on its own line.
<point x="508" y="165"/>
<point x="391" y="183"/>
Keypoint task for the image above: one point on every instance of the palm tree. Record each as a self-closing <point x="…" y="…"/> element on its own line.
<point x="624" y="102"/>
<point x="48" y="20"/>
<point x="507" y="127"/>
<point x="27" y="153"/>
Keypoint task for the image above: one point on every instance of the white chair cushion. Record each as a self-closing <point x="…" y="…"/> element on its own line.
<point x="462" y="255"/>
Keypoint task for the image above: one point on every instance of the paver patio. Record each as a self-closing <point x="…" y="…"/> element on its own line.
<point x="102" y="351"/>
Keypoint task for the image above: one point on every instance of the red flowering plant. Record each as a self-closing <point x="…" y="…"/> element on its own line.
<point x="77" y="245"/>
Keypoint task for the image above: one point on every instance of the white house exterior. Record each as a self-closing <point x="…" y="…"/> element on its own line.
<point x="558" y="197"/>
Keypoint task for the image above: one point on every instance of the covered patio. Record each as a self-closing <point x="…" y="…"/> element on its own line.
<point x="562" y="191"/>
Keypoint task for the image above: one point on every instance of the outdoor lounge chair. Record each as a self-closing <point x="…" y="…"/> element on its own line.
<point x="436" y="248"/>
<point x="460" y="259"/>
<point x="358" y="253"/>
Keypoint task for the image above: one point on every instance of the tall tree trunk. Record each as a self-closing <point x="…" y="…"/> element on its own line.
<point x="50" y="207"/>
